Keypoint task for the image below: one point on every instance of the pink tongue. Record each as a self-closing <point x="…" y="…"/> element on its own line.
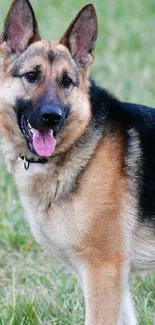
<point x="43" y="143"/>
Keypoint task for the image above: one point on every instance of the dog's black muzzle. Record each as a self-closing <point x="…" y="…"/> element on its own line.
<point x="50" y="117"/>
<point x="43" y="118"/>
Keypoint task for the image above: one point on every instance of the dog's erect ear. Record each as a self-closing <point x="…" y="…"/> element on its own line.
<point x="20" y="27"/>
<point x="81" y="36"/>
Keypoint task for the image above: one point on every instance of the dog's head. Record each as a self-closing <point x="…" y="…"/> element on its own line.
<point x="44" y="101"/>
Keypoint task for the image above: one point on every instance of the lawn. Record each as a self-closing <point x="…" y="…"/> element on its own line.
<point x="33" y="289"/>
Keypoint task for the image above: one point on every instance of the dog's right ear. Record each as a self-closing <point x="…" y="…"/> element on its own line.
<point x="20" y="28"/>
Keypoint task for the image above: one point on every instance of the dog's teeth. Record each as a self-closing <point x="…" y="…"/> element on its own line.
<point x="30" y="127"/>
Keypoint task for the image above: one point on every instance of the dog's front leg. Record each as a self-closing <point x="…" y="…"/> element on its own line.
<point x="102" y="290"/>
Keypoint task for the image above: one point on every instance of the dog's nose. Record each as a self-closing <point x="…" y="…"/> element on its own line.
<point x="51" y="114"/>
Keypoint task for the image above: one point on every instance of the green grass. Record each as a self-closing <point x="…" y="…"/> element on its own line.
<point x="34" y="290"/>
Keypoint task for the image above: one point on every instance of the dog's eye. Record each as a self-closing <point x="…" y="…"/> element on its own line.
<point x="32" y="76"/>
<point x="66" y="82"/>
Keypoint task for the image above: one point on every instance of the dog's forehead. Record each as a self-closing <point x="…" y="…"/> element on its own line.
<point x="44" y="52"/>
<point x="43" y="47"/>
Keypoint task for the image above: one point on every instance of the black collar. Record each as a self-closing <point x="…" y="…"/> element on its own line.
<point x="27" y="161"/>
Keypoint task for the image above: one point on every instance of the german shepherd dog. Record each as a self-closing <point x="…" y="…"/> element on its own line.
<point x="83" y="161"/>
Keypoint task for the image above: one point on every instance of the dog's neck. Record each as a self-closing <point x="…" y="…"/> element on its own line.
<point x="27" y="161"/>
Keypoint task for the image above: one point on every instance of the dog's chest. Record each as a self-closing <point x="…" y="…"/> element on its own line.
<point x="55" y="222"/>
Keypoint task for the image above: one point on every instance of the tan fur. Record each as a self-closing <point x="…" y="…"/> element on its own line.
<point x="108" y="188"/>
<point x="103" y="281"/>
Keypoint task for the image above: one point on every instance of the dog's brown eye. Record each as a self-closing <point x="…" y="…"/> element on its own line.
<point x="32" y="76"/>
<point x="66" y="82"/>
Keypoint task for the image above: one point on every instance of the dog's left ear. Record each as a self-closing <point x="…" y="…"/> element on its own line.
<point x="20" y="27"/>
<point x="81" y="36"/>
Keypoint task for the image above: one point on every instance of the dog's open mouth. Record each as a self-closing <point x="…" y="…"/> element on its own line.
<point x="41" y="143"/>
